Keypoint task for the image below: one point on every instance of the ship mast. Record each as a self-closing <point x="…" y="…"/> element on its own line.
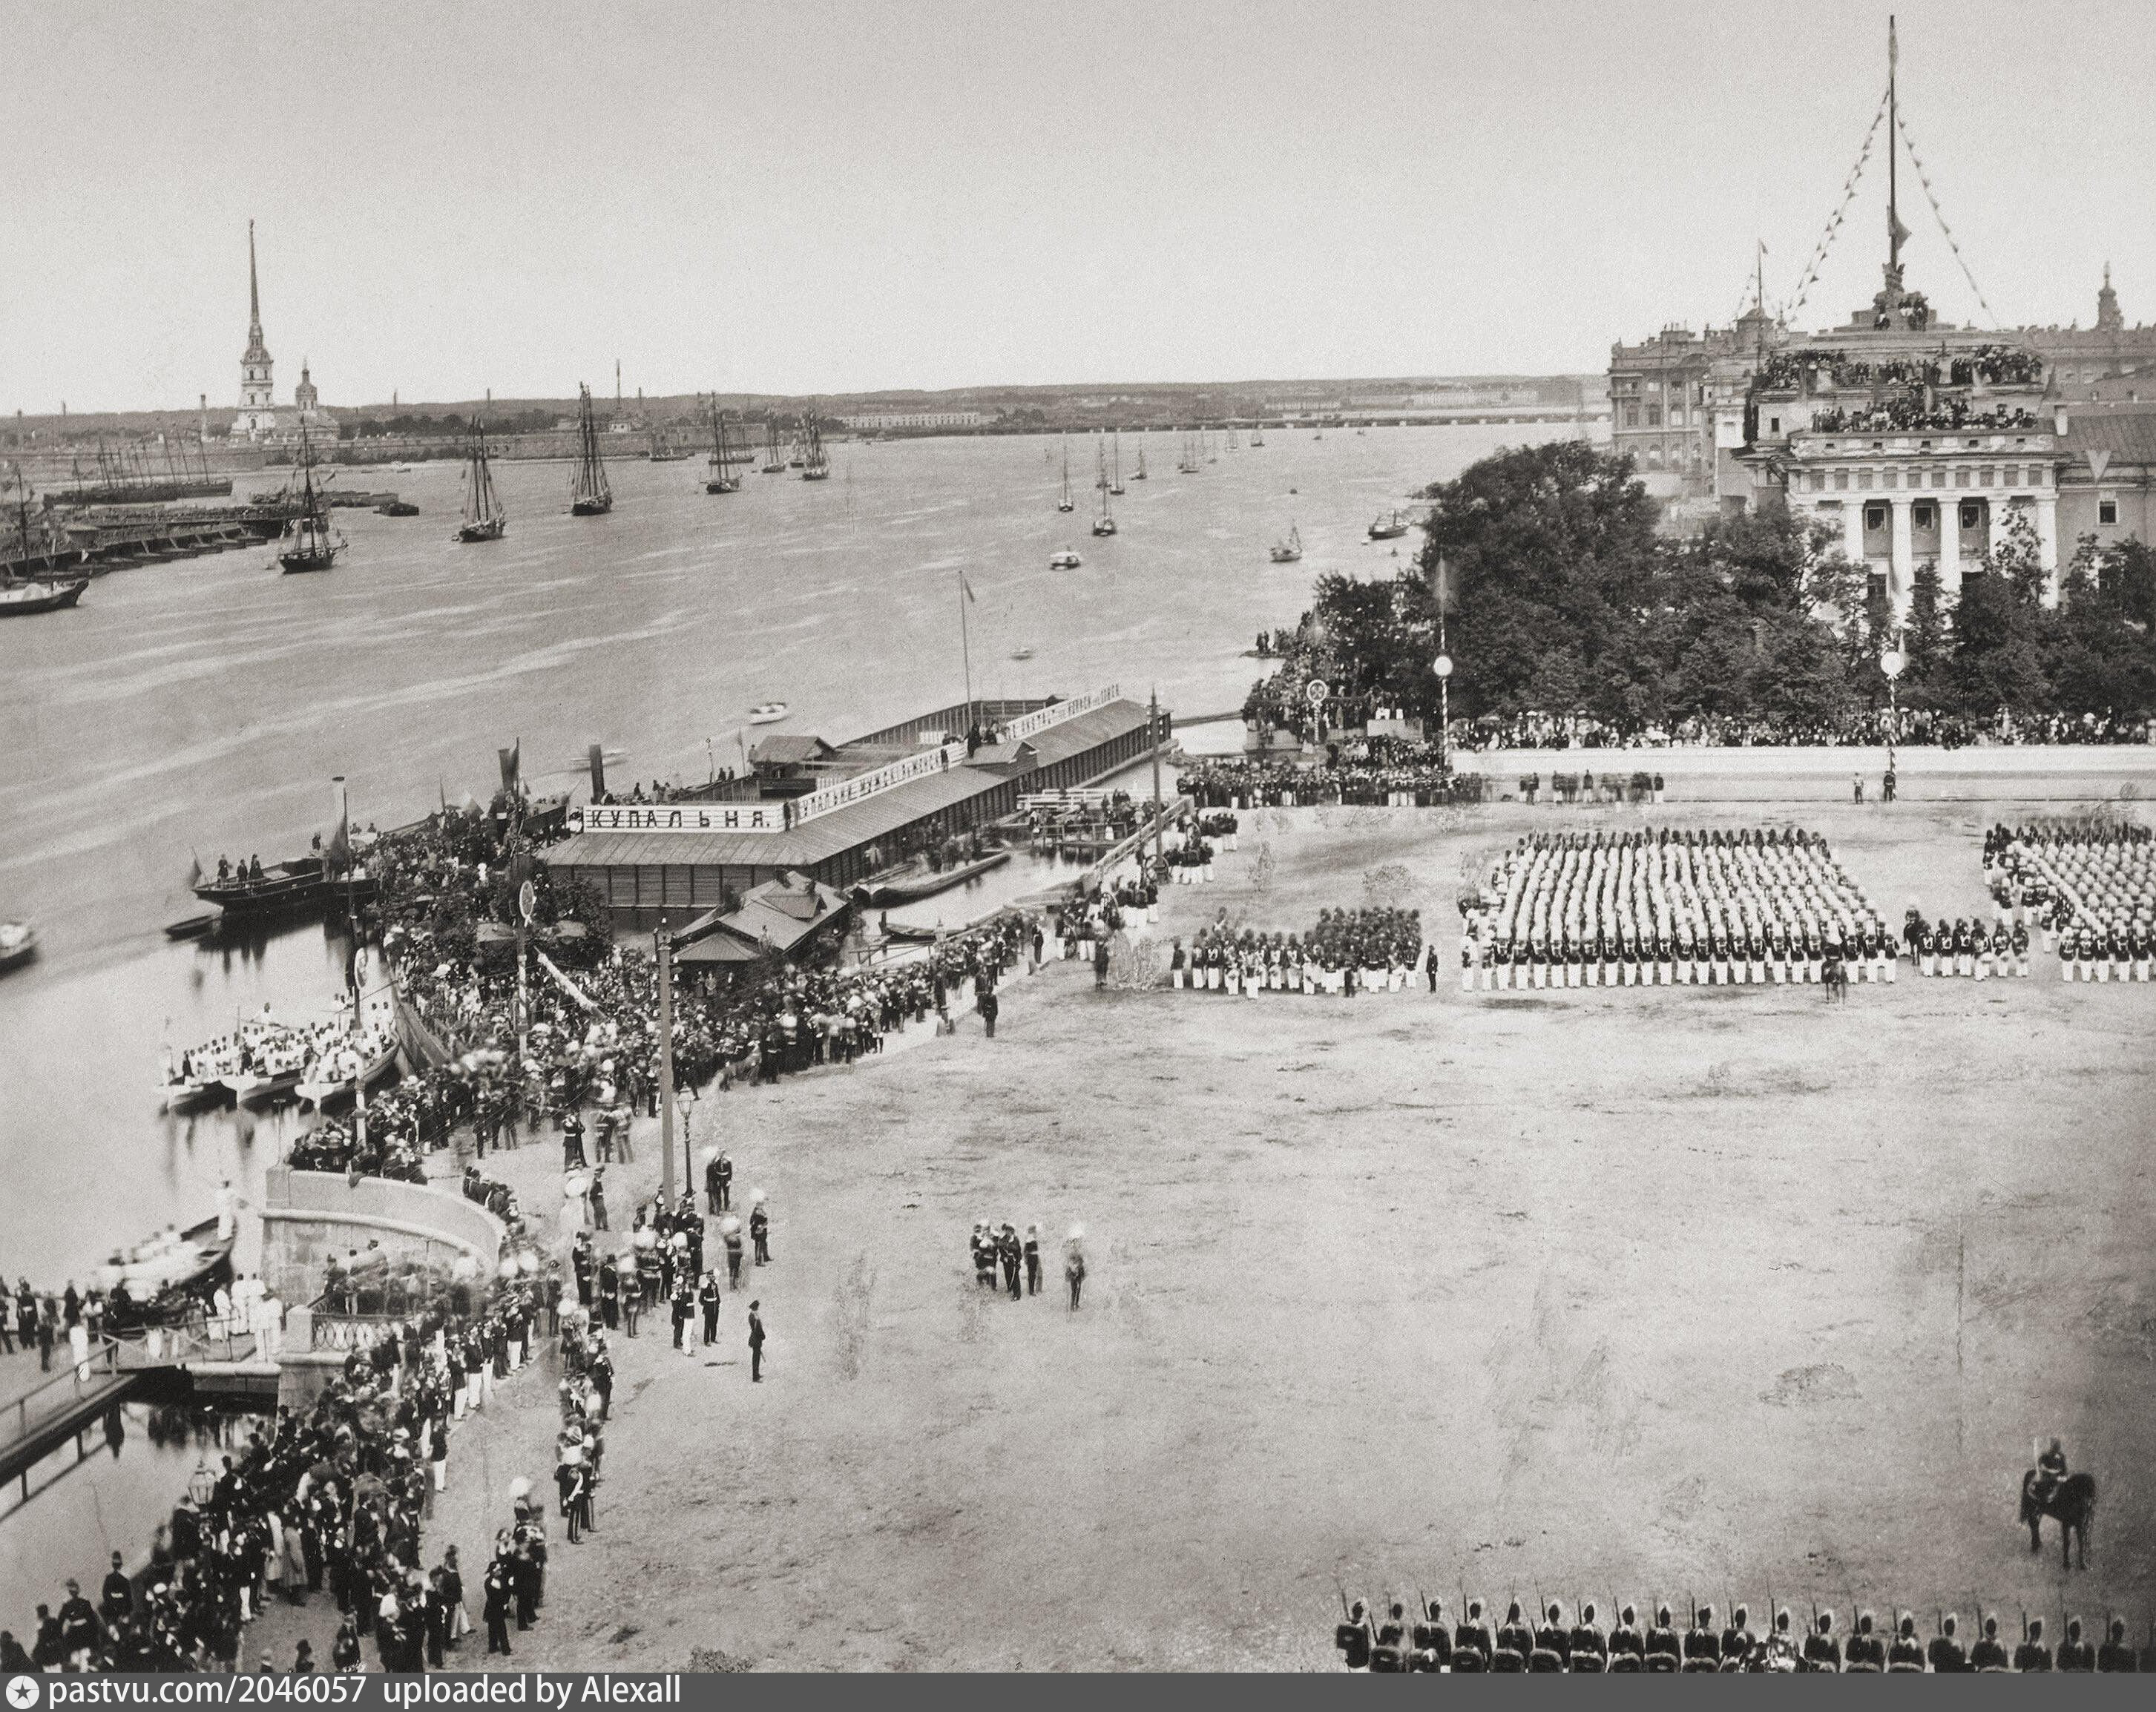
<point x="1893" y="157"/>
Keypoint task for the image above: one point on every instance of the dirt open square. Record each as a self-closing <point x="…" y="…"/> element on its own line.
<point x="1694" y="1292"/>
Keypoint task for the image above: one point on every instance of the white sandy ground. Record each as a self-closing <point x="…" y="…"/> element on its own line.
<point x="1613" y="1294"/>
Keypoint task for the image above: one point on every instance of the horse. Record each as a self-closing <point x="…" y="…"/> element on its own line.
<point x="2072" y="1503"/>
<point x="1833" y="976"/>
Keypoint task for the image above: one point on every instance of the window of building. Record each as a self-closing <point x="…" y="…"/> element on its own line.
<point x="1972" y="514"/>
<point x="1841" y="480"/>
<point x="1654" y="416"/>
<point x="1864" y="478"/>
<point x="1924" y="514"/>
<point x="1773" y="425"/>
<point x="1891" y="479"/>
<point x="1818" y="481"/>
<point x="1961" y="476"/>
<point x="1631" y="416"/>
<point x="2107" y="509"/>
<point x="1875" y="517"/>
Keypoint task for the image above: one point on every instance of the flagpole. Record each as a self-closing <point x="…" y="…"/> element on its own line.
<point x="965" y="646"/>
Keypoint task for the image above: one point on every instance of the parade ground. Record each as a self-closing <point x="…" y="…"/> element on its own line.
<point x="1693" y="1293"/>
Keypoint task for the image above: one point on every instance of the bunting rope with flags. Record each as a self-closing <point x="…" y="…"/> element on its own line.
<point x="1938" y="214"/>
<point x="1811" y="273"/>
<point x="568" y="986"/>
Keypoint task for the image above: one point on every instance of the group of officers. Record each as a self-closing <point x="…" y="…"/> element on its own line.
<point x="1398" y="1643"/>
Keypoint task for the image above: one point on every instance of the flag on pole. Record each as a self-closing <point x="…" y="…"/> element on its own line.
<point x="512" y="763"/>
<point x="194" y="861"/>
<point x="968" y="587"/>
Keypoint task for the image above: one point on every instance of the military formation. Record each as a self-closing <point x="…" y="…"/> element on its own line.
<point x="998" y="1250"/>
<point x="1669" y="907"/>
<point x="1374" y="949"/>
<point x="2094" y="888"/>
<point x="1402" y="1640"/>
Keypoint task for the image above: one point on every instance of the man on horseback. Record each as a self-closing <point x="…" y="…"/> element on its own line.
<point x="2051" y="1473"/>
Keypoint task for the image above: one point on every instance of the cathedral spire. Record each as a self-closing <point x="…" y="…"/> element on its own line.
<point x="253" y="291"/>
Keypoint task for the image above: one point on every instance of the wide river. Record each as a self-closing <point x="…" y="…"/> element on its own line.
<point x="202" y="707"/>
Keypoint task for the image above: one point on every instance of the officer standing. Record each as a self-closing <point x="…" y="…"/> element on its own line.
<point x="1945" y="1654"/>
<point x="759" y="1228"/>
<point x="1032" y="1260"/>
<point x="707" y="1298"/>
<point x="1988" y="1653"/>
<point x="2032" y="1654"/>
<point x="754" y="1343"/>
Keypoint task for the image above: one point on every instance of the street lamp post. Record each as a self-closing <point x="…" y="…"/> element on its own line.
<point x="666" y="1062"/>
<point x="1892" y="663"/>
<point x="1442" y="666"/>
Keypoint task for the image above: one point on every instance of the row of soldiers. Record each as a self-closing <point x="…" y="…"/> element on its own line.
<point x="1397" y="1644"/>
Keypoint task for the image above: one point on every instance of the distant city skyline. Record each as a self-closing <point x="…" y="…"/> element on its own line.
<point x="970" y="195"/>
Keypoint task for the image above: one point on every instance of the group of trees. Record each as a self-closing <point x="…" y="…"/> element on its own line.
<point x="1563" y="599"/>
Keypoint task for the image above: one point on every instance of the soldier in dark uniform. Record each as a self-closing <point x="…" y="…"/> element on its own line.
<point x="1702" y="1649"/>
<point x="1945" y="1654"/>
<point x="1587" y="1652"/>
<point x="1515" y="1641"/>
<point x="1352" y="1638"/>
<point x="1988" y="1653"/>
<point x="1737" y="1639"/>
<point x="1628" y="1647"/>
<point x="1822" y="1652"/>
<point x="1553" y="1642"/>
<point x="1664" y="1652"/>
<point x="2032" y="1654"/>
<point x="1906" y="1653"/>
<point x="1433" y="1640"/>
<point x="2050" y="1471"/>
<point x="1470" y="1640"/>
<point x="1866" y="1650"/>
<point x="707" y="1298"/>
<point x="2075" y="1654"/>
<point x="2114" y="1656"/>
<point x="1389" y="1657"/>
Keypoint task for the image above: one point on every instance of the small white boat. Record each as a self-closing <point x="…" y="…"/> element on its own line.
<point x="18" y="944"/>
<point x="1067" y="559"/>
<point x="766" y="713"/>
<point x="1288" y="551"/>
<point x="1021" y="653"/>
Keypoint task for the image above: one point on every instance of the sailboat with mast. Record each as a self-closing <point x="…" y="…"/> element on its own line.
<point x="1288" y="551"/>
<point x="774" y="455"/>
<point x="1116" y="460"/>
<point x="314" y="547"/>
<point x="723" y="478"/>
<point x="1139" y="474"/>
<point x="1105" y="524"/>
<point x="815" y="461"/>
<point x="589" y="495"/>
<point x="1188" y="464"/>
<point x="1065" y="503"/>
<point x="485" y="519"/>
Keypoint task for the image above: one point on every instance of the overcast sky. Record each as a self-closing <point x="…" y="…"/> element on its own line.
<point x="792" y="197"/>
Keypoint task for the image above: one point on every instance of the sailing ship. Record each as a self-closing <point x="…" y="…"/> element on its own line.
<point x="1388" y="526"/>
<point x="774" y="455"/>
<point x="1288" y="551"/>
<point x="1065" y="503"/>
<point x="1257" y="435"/>
<point x="723" y="478"/>
<point x="663" y="450"/>
<point x="1232" y="443"/>
<point x="1139" y="475"/>
<point x="313" y="546"/>
<point x="485" y="520"/>
<point x="1115" y="461"/>
<point x="589" y="495"/>
<point x="1104" y="523"/>
<point x="815" y="461"/>
<point x="1188" y="464"/>
<point x="1064" y="559"/>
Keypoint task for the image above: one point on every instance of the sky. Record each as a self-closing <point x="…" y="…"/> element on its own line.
<point x="840" y="196"/>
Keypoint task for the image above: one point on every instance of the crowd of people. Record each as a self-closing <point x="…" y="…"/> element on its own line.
<point x="1426" y="1639"/>
<point x="1374" y="949"/>
<point x="1992" y="364"/>
<point x="1667" y="908"/>
<point x="331" y="1497"/>
<point x="1393" y="773"/>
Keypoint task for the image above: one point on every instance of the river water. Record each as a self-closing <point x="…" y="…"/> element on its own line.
<point x="202" y="707"/>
